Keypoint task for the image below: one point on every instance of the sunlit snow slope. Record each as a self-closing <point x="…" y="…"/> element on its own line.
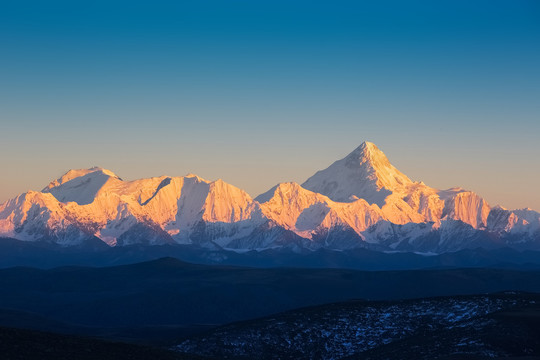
<point x="358" y="201"/>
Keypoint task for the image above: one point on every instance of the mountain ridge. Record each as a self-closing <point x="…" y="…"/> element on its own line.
<point x="361" y="200"/>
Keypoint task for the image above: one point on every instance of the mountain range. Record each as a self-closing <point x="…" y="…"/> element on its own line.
<point x="360" y="201"/>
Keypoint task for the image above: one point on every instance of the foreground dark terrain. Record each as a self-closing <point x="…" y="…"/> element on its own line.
<point x="158" y="301"/>
<point x="495" y="326"/>
<point x="20" y="344"/>
<point x="209" y="311"/>
<point x="479" y="326"/>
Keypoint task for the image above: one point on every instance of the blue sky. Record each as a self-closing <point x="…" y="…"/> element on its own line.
<point x="259" y="92"/>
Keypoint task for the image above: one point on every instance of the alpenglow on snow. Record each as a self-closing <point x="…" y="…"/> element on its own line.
<point x="358" y="201"/>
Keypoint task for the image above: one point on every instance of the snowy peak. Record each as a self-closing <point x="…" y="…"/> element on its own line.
<point x="286" y="203"/>
<point x="81" y="185"/>
<point x="196" y="178"/>
<point x="377" y="165"/>
<point x="358" y="201"/>
<point x="285" y="191"/>
<point x="227" y="203"/>
<point x="365" y="173"/>
<point x="310" y="214"/>
<point x="367" y="151"/>
<point x="467" y="207"/>
<point x="76" y="173"/>
<point x="284" y="196"/>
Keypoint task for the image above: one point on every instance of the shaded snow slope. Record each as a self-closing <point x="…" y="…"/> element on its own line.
<point x="365" y="174"/>
<point x="359" y="201"/>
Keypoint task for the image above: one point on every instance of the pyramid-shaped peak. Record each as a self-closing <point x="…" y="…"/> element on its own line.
<point x="365" y="173"/>
<point x="367" y="152"/>
<point x="369" y="160"/>
<point x="367" y="146"/>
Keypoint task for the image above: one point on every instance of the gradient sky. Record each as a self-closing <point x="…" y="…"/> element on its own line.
<point x="258" y="92"/>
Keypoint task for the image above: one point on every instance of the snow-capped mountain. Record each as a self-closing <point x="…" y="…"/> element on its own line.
<point x="358" y="201"/>
<point x="365" y="173"/>
<point x="97" y="203"/>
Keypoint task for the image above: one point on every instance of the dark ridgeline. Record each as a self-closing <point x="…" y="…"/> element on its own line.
<point x="96" y="253"/>
<point x="159" y="300"/>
